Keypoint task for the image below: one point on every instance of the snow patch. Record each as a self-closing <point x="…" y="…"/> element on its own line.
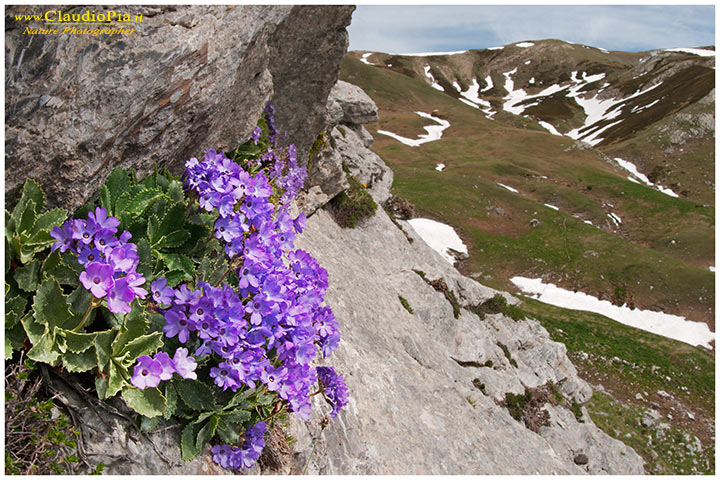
<point x="439" y="237"/>
<point x="433" y="83"/>
<point x="711" y="268"/>
<point x="524" y="44"/>
<point x="615" y="218"/>
<point x="434" y="132"/>
<point x="440" y="167"/>
<point x="551" y="206"/>
<point x="637" y="109"/>
<point x="528" y="62"/>
<point x="494" y="48"/>
<point x="549" y="128"/>
<point x="509" y="188"/>
<point x="472" y="97"/>
<point x="489" y="82"/>
<point x="695" y="51"/>
<point x="632" y="168"/>
<point x="671" y="326"/>
<point x="365" y="57"/>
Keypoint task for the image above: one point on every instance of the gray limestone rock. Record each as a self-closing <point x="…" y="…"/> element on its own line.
<point x="188" y="78"/>
<point x="413" y="409"/>
<point x="357" y="106"/>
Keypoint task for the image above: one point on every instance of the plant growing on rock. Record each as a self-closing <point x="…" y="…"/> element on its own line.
<point x="186" y="297"/>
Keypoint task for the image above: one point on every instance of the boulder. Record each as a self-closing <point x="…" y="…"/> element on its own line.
<point x="188" y="78"/>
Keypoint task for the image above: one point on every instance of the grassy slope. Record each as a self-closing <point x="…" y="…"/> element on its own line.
<point x="480" y="152"/>
<point x="628" y="362"/>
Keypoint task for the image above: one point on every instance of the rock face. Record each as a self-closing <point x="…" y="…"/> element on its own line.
<point x="189" y="78"/>
<point x="415" y="410"/>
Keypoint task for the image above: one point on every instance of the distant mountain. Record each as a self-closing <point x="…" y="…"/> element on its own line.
<point x="590" y="168"/>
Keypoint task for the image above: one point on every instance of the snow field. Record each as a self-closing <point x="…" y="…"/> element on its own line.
<point x="439" y="237"/>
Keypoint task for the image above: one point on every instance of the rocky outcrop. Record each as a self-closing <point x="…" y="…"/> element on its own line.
<point x="188" y="78"/>
<point x="414" y="407"/>
<point x="346" y="142"/>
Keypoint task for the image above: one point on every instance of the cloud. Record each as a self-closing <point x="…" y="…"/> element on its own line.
<point x="407" y="28"/>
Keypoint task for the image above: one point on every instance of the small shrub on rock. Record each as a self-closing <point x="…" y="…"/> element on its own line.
<point x="351" y="207"/>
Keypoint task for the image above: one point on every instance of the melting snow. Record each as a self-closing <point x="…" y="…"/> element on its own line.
<point x="549" y="128"/>
<point x="637" y="109"/>
<point x="615" y="218"/>
<point x="364" y="58"/>
<point x="532" y="81"/>
<point x="514" y="97"/>
<point x="434" y="132"/>
<point x="671" y="326"/>
<point x="509" y="188"/>
<point x="439" y="237"/>
<point x="588" y="222"/>
<point x="440" y="167"/>
<point x="551" y="206"/>
<point x="524" y="44"/>
<point x="473" y="99"/>
<point x="433" y="83"/>
<point x="489" y="82"/>
<point x="598" y="110"/>
<point x="495" y="48"/>
<point x="630" y="167"/>
<point x="695" y="51"/>
<point x="711" y="268"/>
<point x="528" y="62"/>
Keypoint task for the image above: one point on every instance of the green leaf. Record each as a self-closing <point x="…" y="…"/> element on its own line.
<point x="78" y="342"/>
<point x="228" y="434"/>
<point x="188" y="443"/>
<point x="28" y="276"/>
<point x="211" y="270"/>
<point x="56" y="266"/>
<point x="31" y="192"/>
<point x="149" y="424"/>
<point x="175" y="277"/>
<point x="135" y="324"/>
<point x="171" y="222"/>
<point x="14" y="309"/>
<point x="148" y="402"/>
<point x="175" y="191"/>
<point x="78" y="362"/>
<point x="117" y="183"/>
<point x="103" y="342"/>
<point x="106" y="200"/>
<point x="142" y="201"/>
<point x="265" y="399"/>
<point x="152" y="226"/>
<point x="145" y="345"/>
<point x="173" y="240"/>
<point x="27" y="218"/>
<point x="116" y="379"/>
<point x="170" y="400"/>
<point x="43" y="350"/>
<point x="206" y="432"/>
<point x="236" y="416"/>
<point x="195" y="394"/>
<point x="178" y="262"/>
<point x="34" y="330"/>
<point x="51" y="306"/>
<point x="101" y="386"/>
<point x="40" y="231"/>
<point x="14" y="339"/>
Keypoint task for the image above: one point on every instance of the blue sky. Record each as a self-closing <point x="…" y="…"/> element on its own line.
<point x="429" y="28"/>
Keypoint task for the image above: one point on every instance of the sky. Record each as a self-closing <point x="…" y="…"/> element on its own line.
<point x="430" y="28"/>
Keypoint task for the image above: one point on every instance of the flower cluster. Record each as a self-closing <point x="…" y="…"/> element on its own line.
<point x="110" y="262"/>
<point x="333" y="387"/>
<point x="150" y="371"/>
<point x="245" y="457"/>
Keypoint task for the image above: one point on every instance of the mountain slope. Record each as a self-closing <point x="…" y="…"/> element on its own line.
<point x="601" y="230"/>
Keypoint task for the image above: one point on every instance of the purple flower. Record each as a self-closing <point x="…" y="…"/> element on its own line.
<point x="84" y="231"/>
<point x="98" y="278"/>
<point x="123" y="258"/>
<point x="255" y="137"/>
<point x="177" y="323"/>
<point x="334" y="389"/>
<point x="224" y="378"/>
<point x="147" y="373"/>
<point x="63" y="236"/>
<point x="185" y="296"/>
<point x="168" y="366"/>
<point x="102" y="220"/>
<point x="223" y="455"/>
<point x="88" y="255"/>
<point x="161" y="293"/>
<point x="120" y="296"/>
<point x="184" y="365"/>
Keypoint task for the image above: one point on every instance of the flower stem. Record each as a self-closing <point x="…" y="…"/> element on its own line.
<point x="92" y="305"/>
